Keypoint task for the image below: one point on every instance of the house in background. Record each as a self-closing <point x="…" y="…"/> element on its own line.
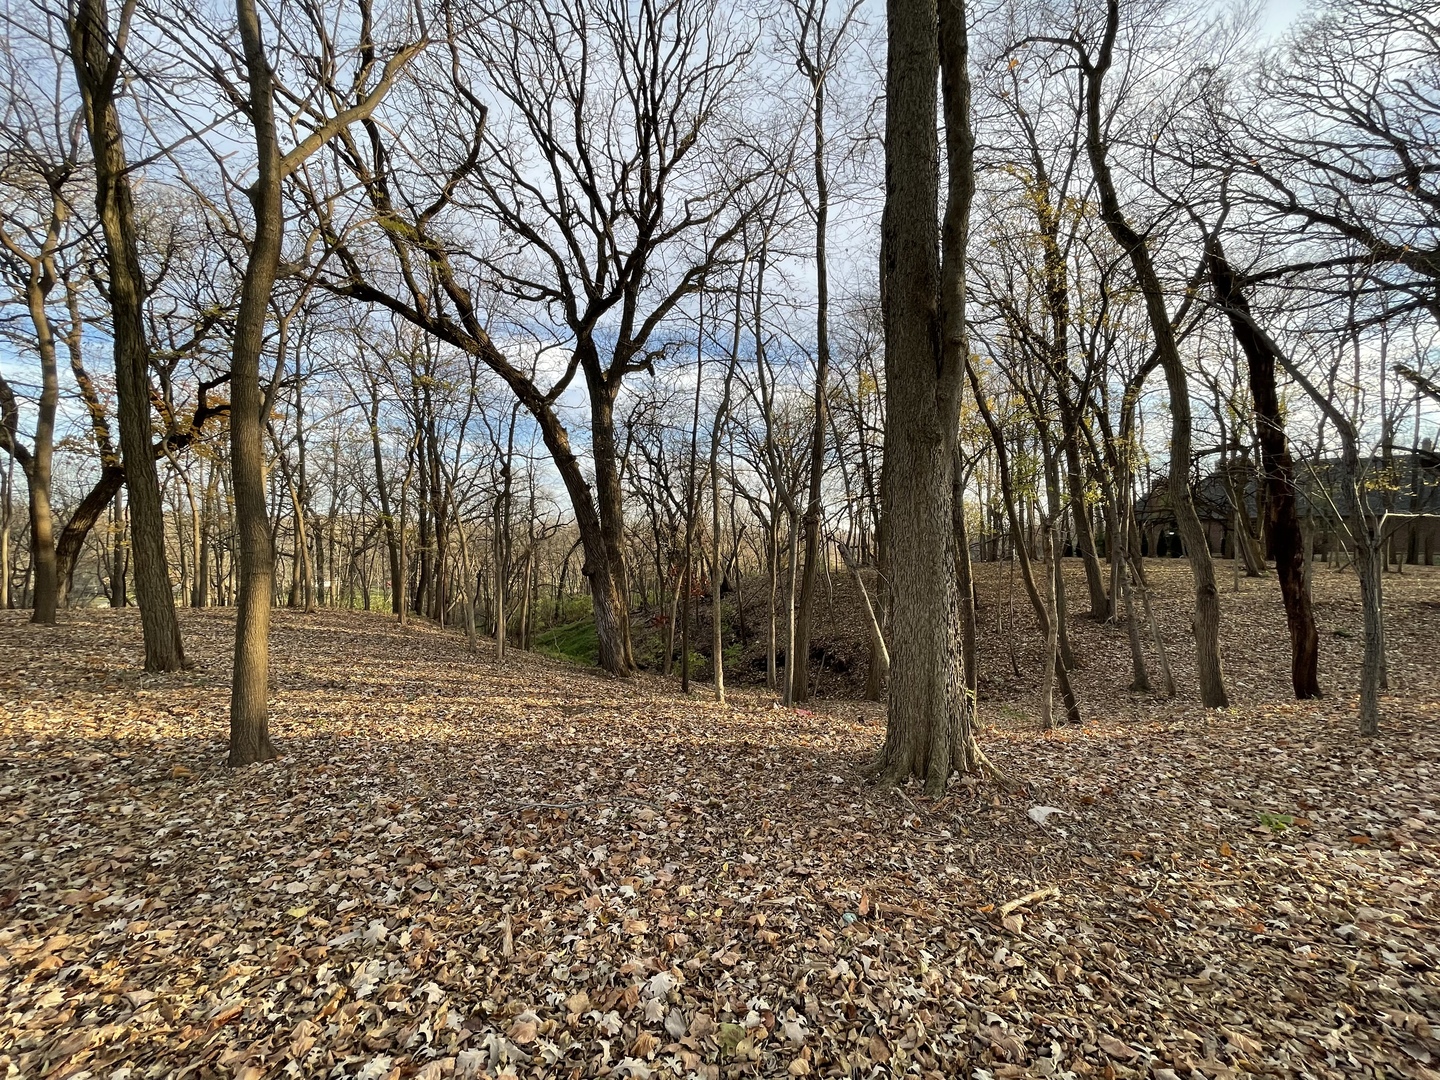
<point x="1405" y="490"/>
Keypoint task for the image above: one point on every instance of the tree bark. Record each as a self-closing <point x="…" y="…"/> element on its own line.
<point x="927" y="732"/>
<point x="97" y="70"/>
<point x="1278" y="469"/>
<point x="72" y="536"/>
<point x="965" y="582"/>
<point x="37" y="464"/>
<point x="605" y="552"/>
<point x="250" y="681"/>
<point x="1368" y="568"/>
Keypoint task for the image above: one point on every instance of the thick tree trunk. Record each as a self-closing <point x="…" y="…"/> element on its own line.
<point x="97" y="71"/>
<point x="42" y="551"/>
<point x="38" y="464"/>
<point x="1281" y="511"/>
<point x="605" y="551"/>
<point x="927" y="734"/>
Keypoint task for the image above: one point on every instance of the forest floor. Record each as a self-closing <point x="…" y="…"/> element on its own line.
<point x="535" y="871"/>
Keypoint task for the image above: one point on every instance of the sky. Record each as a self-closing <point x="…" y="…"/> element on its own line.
<point x="1277" y="15"/>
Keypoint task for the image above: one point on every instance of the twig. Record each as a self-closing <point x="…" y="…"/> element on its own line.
<point x="1020" y="901"/>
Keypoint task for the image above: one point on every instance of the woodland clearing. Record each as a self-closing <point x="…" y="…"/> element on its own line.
<point x="539" y="871"/>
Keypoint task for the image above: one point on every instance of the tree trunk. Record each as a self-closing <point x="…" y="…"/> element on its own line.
<point x="1053" y="567"/>
<point x="1118" y="524"/>
<point x="605" y="550"/>
<point x="800" y="669"/>
<point x="1102" y="606"/>
<point x="927" y="733"/>
<point x="7" y="510"/>
<point x="1042" y="603"/>
<point x="717" y="576"/>
<point x="250" y="682"/>
<point x="1047" y="681"/>
<point x="1282" y="518"/>
<point x="772" y="667"/>
<point x="119" y="556"/>
<point x="965" y="582"/>
<point x="382" y="490"/>
<point x="502" y="561"/>
<point x="1368" y="567"/>
<point x="787" y="695"/>
<point x="202" y="572"/>
<point x="37" y="465"/>
<point x="72" y="536"/>
<point x="97" y="72"/>
<point x="1206" y="619"/>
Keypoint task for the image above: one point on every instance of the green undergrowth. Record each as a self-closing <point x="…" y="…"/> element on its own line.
<point x="576" y="642"/>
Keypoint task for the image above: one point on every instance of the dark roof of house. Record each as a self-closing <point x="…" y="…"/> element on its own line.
<point x="1408" y="482"/>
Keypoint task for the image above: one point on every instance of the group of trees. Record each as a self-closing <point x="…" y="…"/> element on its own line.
<point x="509" y="314"/>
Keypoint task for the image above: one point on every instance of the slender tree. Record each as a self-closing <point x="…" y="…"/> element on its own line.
<point x="249" y="693"/>
<point x="1282" y="517"/>
<point x="1095" y="65"/>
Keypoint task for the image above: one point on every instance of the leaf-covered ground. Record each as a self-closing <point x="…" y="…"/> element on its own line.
<point x="538" y="872"/>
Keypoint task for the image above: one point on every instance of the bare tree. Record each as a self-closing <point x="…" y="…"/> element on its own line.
<point x="1095" y="62"/>
<point x="1337" y="140"/>
<point x="361" y="90"/>
<point x="928" y="732"/>
<point x="98" y="51"/>
<point x="640" y="197"/>
<point x="1277" y="469"/>
<point x="41" y="168"/>
<point x="818" y="43"/>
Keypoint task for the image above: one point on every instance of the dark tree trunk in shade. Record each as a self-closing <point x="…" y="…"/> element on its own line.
<point x="72" y="536"/>
<point x="1282" y="518"/>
